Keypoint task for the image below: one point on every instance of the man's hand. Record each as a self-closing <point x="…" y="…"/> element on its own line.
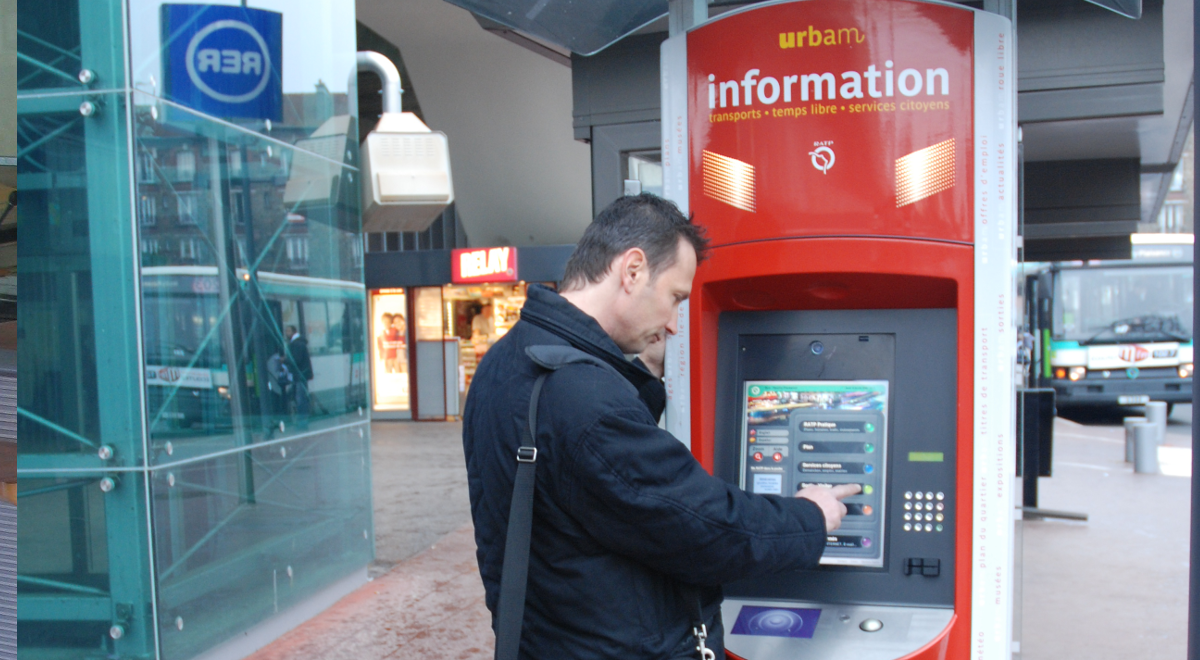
<point x="830" y="501"/>
<point x="654" y="355"/>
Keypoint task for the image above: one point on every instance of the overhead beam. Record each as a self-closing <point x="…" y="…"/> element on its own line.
<point x="1077" y="249"/>
<point x="1081" y="209"/>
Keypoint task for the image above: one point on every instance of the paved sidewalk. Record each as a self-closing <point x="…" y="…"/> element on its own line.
<point x="428" y="607"/>
<point x="1114" y="587"/>
<point x="419" y="487"/>
<point x="426" y="598"/>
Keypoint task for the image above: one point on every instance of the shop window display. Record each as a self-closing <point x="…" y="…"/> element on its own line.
<point x="479" y="316"/>
<point x="389" y="346"/>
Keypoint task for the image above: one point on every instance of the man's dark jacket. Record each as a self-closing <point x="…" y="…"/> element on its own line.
<point x="624" y="517"/>
<point x="298" y="348"/>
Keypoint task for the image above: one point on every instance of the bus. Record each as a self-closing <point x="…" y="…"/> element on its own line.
<point x="188" y="337"/>
<point x="1112" y="333"/>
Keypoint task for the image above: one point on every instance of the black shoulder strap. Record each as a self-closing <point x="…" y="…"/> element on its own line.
<point x="510" y="612"/>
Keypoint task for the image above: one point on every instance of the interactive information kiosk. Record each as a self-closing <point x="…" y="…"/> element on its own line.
<point x="854" y="164"/>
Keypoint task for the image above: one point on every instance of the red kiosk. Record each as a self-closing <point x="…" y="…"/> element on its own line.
<point x="854" y="163"/>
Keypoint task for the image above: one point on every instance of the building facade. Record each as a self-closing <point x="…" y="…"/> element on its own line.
<point x="194" y="468"/>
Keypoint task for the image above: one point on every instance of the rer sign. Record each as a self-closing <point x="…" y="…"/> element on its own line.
<point x="224" y="61"/>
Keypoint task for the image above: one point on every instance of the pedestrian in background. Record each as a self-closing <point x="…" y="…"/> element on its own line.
<point x="300" y="360"/>
<point x="279" y="382"/>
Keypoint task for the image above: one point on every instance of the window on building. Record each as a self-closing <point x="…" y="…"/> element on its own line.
<point x="1177" y="179"/>
<point x="148" y="210"/>
<point x="297" y="250"/>
<point x="189" y="248"/>
<point x="237" y="206"/>
<point x="185" y="165"/>
<point x="189" y="207"/>
<point x="645" y="168"/>
<point x="235" y="162"/>
<point x="1170" y="219"/>
<point x="147" y="164"/>
<point x="149" y="246"/>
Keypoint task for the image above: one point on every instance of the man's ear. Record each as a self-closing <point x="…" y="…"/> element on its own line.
<point x="634" y="267"/>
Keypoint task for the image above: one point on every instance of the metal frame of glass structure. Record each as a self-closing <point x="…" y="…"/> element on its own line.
<point x="180" y="480"/>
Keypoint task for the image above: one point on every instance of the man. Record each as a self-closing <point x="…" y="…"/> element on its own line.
<point x="279" y="379"/>
<point x="627" y="527"/>
<point x="483" y="329"/>
<point x="298" y="350"/>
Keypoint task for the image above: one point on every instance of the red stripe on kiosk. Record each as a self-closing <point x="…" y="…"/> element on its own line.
<point x="854" y="164"/>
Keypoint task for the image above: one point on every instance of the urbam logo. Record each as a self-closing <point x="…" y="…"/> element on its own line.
<point x="242" y="71"/>
<point x="816" y="37"/>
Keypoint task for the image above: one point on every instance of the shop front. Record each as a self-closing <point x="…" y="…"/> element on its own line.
<point x="435" y="313"/>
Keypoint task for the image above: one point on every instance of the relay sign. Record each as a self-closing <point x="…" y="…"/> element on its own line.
<point x="797" y="434"/>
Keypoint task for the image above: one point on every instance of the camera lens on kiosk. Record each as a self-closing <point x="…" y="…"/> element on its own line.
<point x="816" y="347"/>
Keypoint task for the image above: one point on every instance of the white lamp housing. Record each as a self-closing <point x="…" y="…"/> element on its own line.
<point x="406" y="180"/>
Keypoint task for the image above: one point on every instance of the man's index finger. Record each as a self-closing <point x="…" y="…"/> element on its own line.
<point x="846" y="490"/>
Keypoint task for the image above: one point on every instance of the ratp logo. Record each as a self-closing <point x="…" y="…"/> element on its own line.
<point x="823" y="157"/>
<point x="229" y="61"/>
<point x="1134" y="353"/>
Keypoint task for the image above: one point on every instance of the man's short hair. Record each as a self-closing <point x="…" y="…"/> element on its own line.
<point x="643" y="221"/>
<point x="289" y="329"/>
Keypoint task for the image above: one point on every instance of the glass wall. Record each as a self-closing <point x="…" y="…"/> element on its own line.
<point x="193" y="402"/>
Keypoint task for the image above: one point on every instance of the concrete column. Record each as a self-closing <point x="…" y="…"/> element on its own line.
<point x="1129" y="422"/>
<point x="1145" y="448"/>
<point x="1156" y="414"/>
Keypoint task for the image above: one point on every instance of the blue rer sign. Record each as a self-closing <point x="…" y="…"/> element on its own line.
<point x="224" y="61"/>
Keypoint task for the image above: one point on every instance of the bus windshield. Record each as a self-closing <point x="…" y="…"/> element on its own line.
<point x="1101" y="305"/>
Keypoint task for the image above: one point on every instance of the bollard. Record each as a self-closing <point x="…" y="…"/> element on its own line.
<point x="1156" y="414"/>
<point x="1129" y="422"/>
<point x="1145" y="448"/>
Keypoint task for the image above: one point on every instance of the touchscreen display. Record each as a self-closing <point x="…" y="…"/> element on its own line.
<point x="799" y="433"/>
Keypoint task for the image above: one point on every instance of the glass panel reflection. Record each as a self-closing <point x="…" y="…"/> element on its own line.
<point x="52" y="51"/>
<point x="243" y="536"/>
<point x="245" y="242"/>
<point x="70" y="591"/>
<point x="56" y="393"/>
<point x="74" y="251"/>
